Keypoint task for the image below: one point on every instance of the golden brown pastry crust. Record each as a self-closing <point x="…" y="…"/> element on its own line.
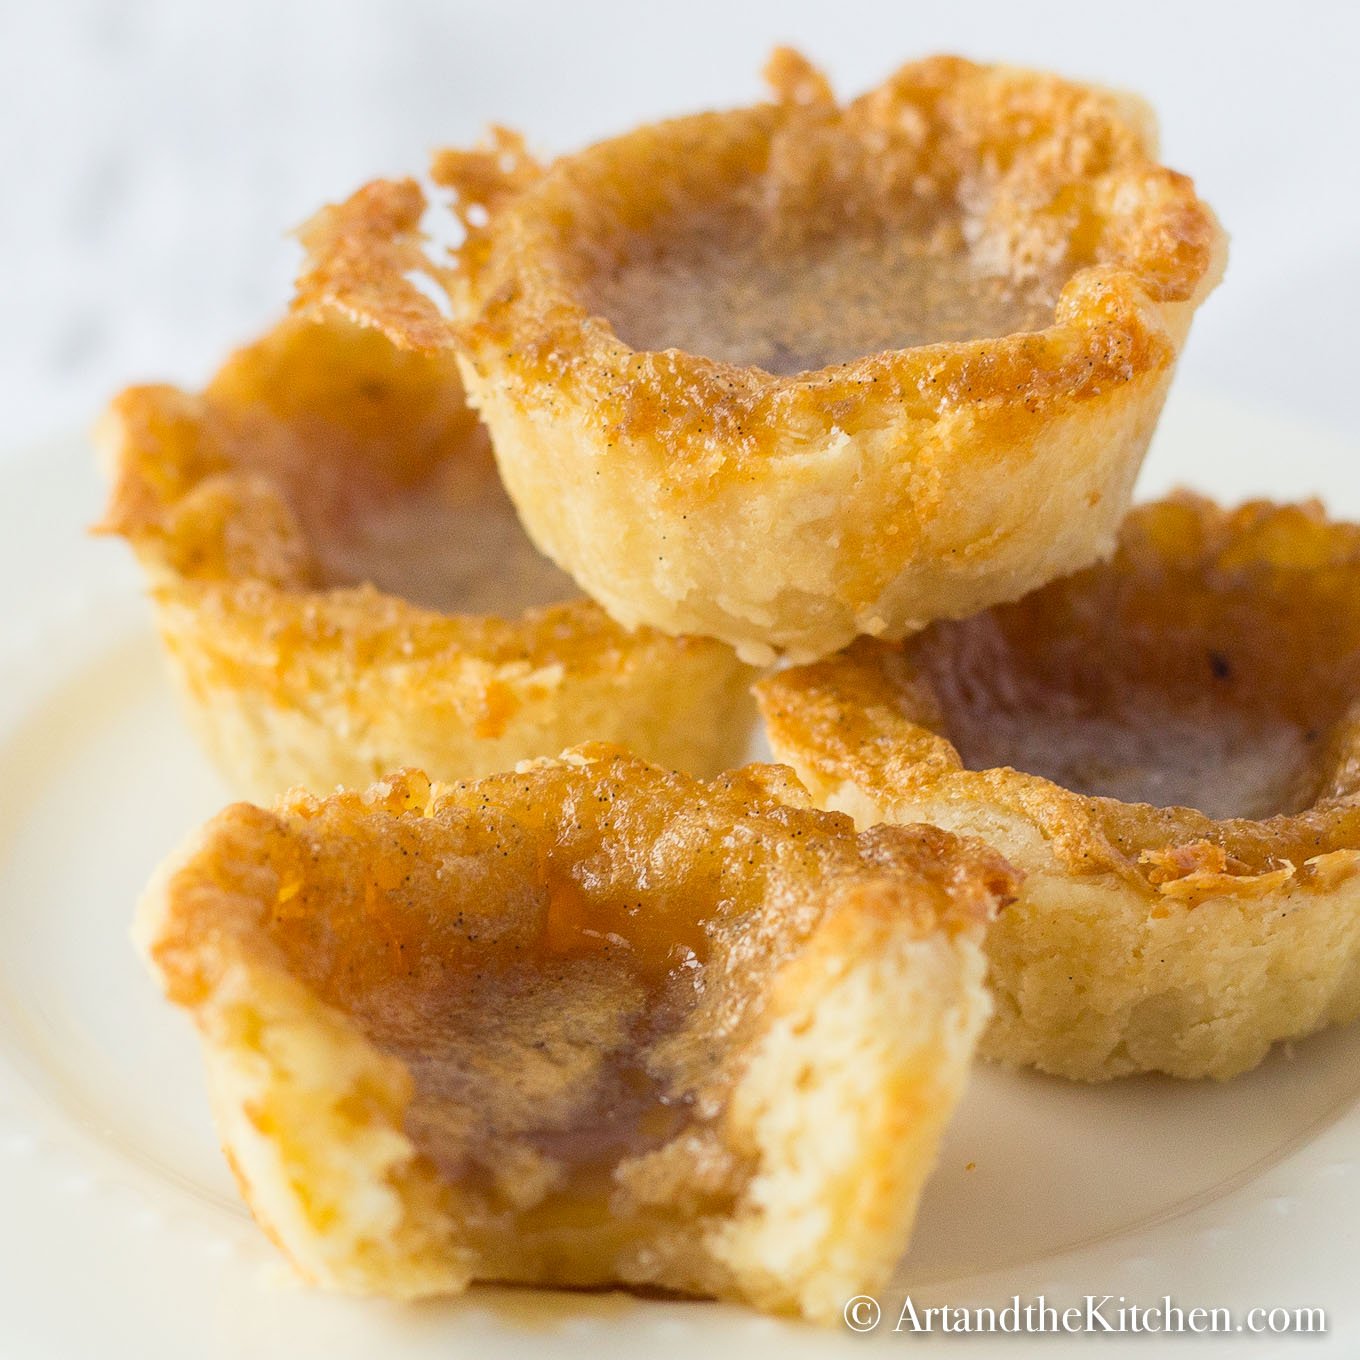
<point x="359" y="255"/>
<point x="589" y="1023"/>
<point x="1145" y="937"/>
<point x="240" y="504"/>
<point x="791" y="511"/>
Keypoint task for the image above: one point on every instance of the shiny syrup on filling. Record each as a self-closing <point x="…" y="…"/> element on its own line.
<point x="796" y="306"/>
<point x="1120" y="705"/>
<point x="451" y="541"/>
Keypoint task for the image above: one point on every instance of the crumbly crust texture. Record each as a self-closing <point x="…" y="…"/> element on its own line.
<point x="1145" y="938"/>
<point x="320" y="528"/>
<point x="589" y="1023"/>
<point x="789" y="512"/>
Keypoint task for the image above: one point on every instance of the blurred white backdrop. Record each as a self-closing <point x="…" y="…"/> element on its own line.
<point x="155" y="152"/>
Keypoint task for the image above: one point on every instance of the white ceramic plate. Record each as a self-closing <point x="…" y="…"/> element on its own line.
<point x="120" y="1233"/>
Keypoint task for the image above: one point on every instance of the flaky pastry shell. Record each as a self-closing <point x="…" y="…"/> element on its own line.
<point x="792" y="373"/>
<point x="342" y="585"/>
<point x="1187" y="804"/>
<point x="589" y="1023"/>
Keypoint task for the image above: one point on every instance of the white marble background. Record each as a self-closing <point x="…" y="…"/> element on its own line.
<point x="154" y="152"/>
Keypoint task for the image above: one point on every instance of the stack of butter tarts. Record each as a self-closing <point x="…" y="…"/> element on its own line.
<point x="526" y="978"/>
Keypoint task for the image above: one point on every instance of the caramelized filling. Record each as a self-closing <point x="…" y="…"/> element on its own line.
<point x="388" y="471"/>
<point x="788" y="307"/>
<point x="546" y="1011"/>
<point x="1162" y="690"/>
<point x="534" y="1054"/>
<point x="571" y="963"/>
<point x="451" y="542"/>
<point x="550" y="1055"/>
<point x="1209" y="756"/>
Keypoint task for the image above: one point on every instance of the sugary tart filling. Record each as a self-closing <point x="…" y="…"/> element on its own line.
<point x="389" y="474"/>
<point x="545" y="1010"/>
<point x="450" y="541"/>
<point x="539" y="1060"/>
<point x="742" y="289"/>
<point x="1166" y="689"/>
<point x="569" y="968"/>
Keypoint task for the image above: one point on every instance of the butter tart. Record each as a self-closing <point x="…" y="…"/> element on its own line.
<point x="1168" y="747"/>
<point x="589" y="1023"/>
<point x="343" y="587"/>
<point x="792" y="373"/>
